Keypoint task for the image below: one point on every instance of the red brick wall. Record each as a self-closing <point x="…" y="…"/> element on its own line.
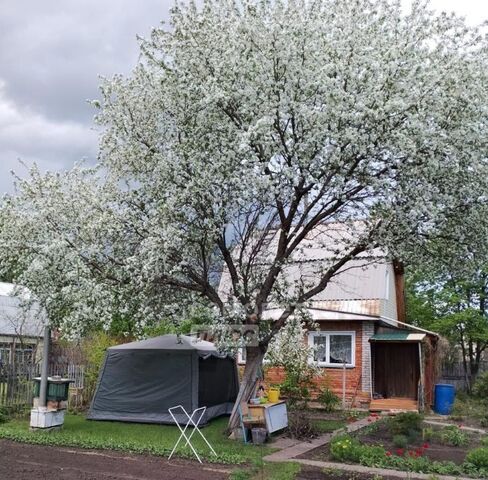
<point x="332" y="377"/>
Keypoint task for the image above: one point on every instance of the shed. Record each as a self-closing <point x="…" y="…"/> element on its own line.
<point x="140" y="381"/>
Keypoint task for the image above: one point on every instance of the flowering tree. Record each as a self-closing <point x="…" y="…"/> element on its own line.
<point x="248" y="131"/>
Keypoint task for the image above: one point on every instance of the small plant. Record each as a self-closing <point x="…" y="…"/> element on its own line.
<point x="346" y="449"/>
<point x="454" y="436"/>
<point x="400" y="441"/>
<point x="328" y="399"/>
<point x="478" y="457"/>
<point x="428" y="434"/>
<point x="484" y="441"/>
<point x="408" y="423"/>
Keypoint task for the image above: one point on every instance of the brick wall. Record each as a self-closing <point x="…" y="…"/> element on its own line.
<point x="356" y="384"/>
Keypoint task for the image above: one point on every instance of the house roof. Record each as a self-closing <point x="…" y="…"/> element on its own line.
<point x="14" y="319"/>
<point x="398" y="336"/>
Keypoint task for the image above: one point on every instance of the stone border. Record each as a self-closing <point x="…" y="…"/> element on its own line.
<point x="462" y="427"/>
<point x="377" y="471"/>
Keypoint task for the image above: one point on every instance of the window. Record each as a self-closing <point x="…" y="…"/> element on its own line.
<point x="24" y="355"/>
<point x="241" y="355"/>
<point x="4" y="352"/>
<point x="333" y="349"/>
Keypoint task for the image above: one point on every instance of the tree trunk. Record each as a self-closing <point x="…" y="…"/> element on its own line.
<point x="254" y="360"/>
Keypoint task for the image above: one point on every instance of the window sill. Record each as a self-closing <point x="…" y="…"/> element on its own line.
<point x="334" y="365"/>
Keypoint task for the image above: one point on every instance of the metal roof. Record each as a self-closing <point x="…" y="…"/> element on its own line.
<point x="398" y="336"/>
<point x="16" y="320"/>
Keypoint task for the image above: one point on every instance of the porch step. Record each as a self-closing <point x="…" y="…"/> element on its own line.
<point x="394" y="405"/>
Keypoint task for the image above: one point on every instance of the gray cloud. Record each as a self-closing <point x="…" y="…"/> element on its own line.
<point x="51" y="55"/>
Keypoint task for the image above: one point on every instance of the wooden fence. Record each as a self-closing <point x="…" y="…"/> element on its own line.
<point x="17" y="382"/>
<point x="454" y="374"/>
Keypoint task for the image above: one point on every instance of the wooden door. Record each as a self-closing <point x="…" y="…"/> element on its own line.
<point x="396" y="369"/>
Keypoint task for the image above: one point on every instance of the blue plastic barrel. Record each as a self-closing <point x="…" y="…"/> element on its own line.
<point x="444" y="398"/>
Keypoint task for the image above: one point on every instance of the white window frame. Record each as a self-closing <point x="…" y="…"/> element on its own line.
<point x="328" y="334"/>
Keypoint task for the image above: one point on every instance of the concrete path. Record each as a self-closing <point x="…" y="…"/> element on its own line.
<point x="462" y="427"/>
<point x="296" y="449"/>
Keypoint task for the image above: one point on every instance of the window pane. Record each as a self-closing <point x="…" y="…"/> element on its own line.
<point x="340" y="349"/>
<point x="319" y="344"/>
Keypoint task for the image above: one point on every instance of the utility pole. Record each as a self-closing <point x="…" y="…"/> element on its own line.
<point x="44" y="368"/>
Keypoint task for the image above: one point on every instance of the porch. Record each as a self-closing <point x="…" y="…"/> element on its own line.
<point x="393" y="405"/>
<point x="396" y="372"/>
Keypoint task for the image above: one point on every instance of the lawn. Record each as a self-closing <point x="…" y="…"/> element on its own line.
<point x="155" y="440"/>
<point x="136" y="438"/>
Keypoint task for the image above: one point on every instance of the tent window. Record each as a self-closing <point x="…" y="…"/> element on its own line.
<point x="333" y="349"/>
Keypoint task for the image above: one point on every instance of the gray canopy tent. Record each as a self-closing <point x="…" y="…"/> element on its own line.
<point x="139" y="381"/>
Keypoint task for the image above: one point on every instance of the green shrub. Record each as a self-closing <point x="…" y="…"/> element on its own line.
<point x="400" y="441"/>
<point x="94" y="348"/>
<point x="4" y="415"/>
<point x="454" y="436"/>
<point x="478" y="457"/>
<point x="408" y="423"/>
<point x="459" y="410"/>
<point x="328" y="399"/>
<point x="484" y="441"/>
<point x="480" y="388"/>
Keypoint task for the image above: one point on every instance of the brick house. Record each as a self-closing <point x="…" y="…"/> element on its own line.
<point x="389" y="365"/>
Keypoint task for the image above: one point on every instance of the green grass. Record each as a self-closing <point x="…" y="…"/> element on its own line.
<point x="328" y="426"/>
<point x="269" y="471"/>
<point x="136" y="438"/>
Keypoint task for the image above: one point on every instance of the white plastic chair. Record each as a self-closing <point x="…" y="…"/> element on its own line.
<point x="198" y="414"/>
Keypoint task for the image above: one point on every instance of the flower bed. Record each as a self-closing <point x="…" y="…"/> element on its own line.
<point x="405" y="443"/>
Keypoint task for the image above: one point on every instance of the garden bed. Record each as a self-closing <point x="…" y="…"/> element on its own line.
<point x="410" y="445"/>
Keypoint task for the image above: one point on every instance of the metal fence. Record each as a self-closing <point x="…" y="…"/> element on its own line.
<point x="455" y="374"/>
<point x="17" y="382"/>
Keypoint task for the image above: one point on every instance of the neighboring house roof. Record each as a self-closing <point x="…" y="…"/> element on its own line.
<point x="14" y="319"/>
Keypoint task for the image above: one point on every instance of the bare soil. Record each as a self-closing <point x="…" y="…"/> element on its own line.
<point x="314" y="473"/>
<point x="26" y="462"/>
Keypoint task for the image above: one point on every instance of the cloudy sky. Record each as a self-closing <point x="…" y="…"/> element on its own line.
<point x="51" y="54"/>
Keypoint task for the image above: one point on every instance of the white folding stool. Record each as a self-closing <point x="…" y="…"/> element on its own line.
<point x="195" y="428"/>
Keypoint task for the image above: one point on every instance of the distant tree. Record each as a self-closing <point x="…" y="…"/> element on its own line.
<point x="245" y="129"/>
<point x="456" y="308"/>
